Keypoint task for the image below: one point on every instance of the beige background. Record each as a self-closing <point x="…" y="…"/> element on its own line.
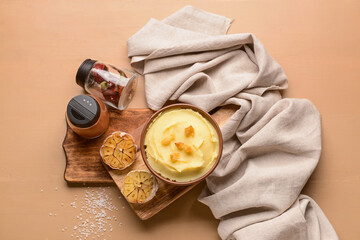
<point x="43" y="42"/>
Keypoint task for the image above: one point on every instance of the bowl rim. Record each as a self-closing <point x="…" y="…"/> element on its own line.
<point x="207" y="116"/>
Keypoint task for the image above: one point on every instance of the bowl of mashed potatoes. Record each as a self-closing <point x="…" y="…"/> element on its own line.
<point x="181" y="144"/>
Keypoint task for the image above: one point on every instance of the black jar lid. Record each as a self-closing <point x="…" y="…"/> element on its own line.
<point x="83" y="111"/>
<point x="84" y="71"/>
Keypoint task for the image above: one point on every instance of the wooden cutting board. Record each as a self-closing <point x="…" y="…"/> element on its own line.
<point x="84" y="165"/>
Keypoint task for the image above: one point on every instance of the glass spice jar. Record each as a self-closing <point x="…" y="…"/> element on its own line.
<point x="87" y="116"/>
<point x="112" y="85"/>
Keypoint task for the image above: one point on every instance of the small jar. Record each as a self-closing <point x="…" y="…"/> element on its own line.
<point x="112" y="85"/>
<point x="87" y="116"/>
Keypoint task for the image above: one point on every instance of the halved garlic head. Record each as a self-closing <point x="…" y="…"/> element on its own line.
<point x="139" y="186"/>
<point x="118" y="150"/>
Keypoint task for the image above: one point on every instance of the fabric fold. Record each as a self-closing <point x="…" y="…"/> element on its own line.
<point x="271" y="145"/>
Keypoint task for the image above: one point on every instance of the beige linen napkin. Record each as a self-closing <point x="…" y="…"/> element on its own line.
<point x="271" y="145"/>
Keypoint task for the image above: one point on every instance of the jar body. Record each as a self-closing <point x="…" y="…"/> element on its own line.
<point x="95" y="130"/>
<point x="114" y="86"/>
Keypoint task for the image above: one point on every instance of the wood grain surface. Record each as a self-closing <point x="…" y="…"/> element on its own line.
<point x="83" y="161"/>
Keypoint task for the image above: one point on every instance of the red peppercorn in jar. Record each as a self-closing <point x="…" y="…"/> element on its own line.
<point x="112" y="85"/>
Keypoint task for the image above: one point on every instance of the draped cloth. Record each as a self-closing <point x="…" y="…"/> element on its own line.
<point x="271" y="145"/>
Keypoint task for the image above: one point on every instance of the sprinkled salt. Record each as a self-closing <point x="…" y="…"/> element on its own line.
<point x="94" y="216"/>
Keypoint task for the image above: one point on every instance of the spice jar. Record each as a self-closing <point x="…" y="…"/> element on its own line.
<point x="87" y="116"/>
<point x="112" y="85"/>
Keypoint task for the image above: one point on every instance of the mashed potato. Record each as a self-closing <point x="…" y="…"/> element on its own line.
<point x="181" y="144"/>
